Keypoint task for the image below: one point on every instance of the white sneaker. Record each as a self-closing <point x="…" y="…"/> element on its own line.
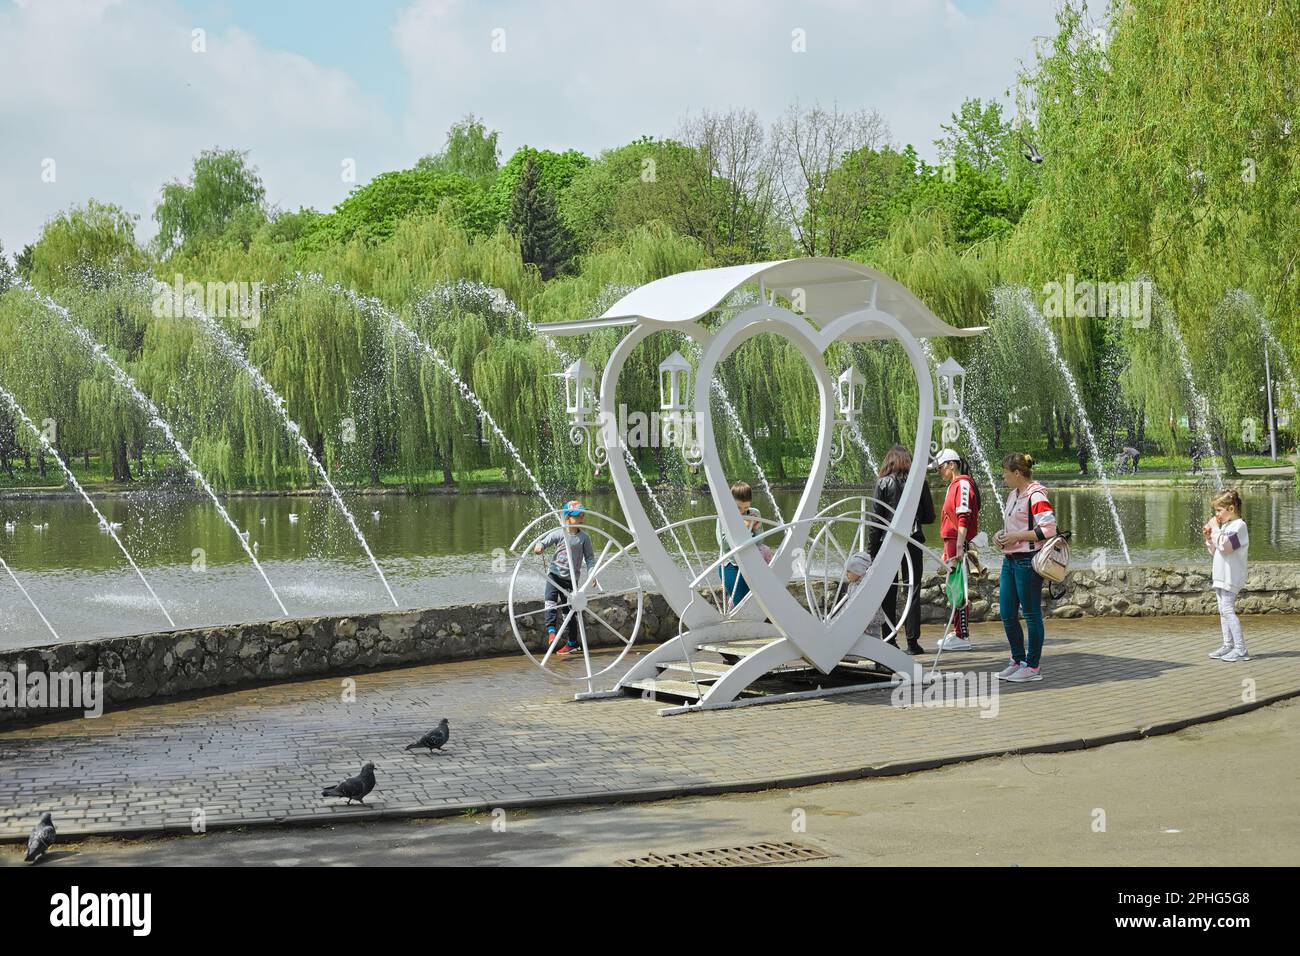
<point x="954" y="643"/>
<point x="1009" y="670"/>
<point x="1225" y="649"/>
<point x="1235" y="655"/>
<point x="1026" y="674"/>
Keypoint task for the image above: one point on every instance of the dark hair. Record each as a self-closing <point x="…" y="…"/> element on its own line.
<point x="742" y="492"/>
<point x="1021" y="462"/>
<point x="897" y="459"/>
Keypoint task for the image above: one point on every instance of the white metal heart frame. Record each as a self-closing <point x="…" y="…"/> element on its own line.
<point x="769" y="630"/>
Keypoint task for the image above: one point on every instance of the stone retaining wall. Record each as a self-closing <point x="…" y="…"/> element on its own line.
<point x="212" y="658"/>
<point x="1135" y="591"/>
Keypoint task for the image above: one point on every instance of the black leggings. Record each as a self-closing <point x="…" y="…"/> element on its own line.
<point x="911" y="623"/>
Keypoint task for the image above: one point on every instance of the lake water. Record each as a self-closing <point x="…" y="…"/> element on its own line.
<point x="434" y="549"/>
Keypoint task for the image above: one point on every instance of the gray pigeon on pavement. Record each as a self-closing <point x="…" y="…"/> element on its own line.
<point x="354" y="788"/>
<point x="434" y="739"/>
<point x="42" y="838"/>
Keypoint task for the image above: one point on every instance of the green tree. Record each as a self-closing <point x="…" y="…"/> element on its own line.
<point x="373" y="211"/>
<point x="978" y="136"/>
<point x="470" y="151"/>
<point x="85" y="247"/>
<point x="221" y="186"/>
<point x="555" y="171"/>
<point x="543" y="240"/>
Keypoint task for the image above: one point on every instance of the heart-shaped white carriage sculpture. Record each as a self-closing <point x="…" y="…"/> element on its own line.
<point x="770" y="630"/>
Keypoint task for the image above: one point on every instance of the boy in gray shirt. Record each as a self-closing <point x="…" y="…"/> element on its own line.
<point x="569" y="544"/>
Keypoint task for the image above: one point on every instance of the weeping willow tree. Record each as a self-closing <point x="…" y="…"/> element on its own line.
<point x="116" y="315"/>
<point x="426" y="251"/>
<point x="42" y="365"/>
<point x="921" y="252"/>
<point x="1157" y="160"/>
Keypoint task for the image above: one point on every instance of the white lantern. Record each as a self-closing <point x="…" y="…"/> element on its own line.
<point x="579" y="381"/>
<point x="674" y="379"/>
<point x="951" y="383"/>
<point x="851" y="389"/>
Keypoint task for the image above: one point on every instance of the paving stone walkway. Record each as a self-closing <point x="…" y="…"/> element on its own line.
<point x="261" y="756"/>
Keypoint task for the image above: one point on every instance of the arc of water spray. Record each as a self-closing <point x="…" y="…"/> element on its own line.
<point x="125" y="381"/>
<point x="855" y="433"/>
<point x="1026" y="302"/>
<point x="232" y="349"/>
<point x="67" y="473"/>
<point x="1279" y="356"/>
<point x="20" y="587"/>
<point x="374" y="307"/>
<point x="1199" y="400"/>
<point x="733" y="416"/>
<point x="972" y="436"/>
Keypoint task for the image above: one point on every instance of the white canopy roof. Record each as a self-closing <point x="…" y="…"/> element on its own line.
<point x="831" y="288"/>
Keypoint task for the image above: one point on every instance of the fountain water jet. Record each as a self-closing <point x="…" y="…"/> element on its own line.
<point x="855" y="433"/>
<point x="233" y="351"/>
<point x="972" y="436"/>
<point x="376" y="308"/>
<point x="1275" y="350"/>
<point x="1201" y="404"/>
<point x="126" y="382"/>
<point x="20" y="587"/>
<point x="104" y="524"/>
<point x="1004" y="298"/>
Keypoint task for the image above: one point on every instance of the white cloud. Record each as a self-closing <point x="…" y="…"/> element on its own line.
<point x="595" y="75"/>
<point x="114" y="94"/>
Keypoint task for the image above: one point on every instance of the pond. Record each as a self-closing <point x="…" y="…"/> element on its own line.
<point x="434" y="549"/>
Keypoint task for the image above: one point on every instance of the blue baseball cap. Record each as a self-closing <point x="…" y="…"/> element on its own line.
<point x="573" y="509"/>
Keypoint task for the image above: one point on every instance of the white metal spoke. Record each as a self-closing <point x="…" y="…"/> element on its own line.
<point x="608" y="626"/>
<point x="559" y="637"/>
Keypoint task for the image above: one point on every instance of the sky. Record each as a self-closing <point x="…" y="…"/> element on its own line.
<point x="109" y="99"/>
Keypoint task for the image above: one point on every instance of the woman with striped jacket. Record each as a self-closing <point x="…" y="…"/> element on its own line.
<point x="1028" y="521"/>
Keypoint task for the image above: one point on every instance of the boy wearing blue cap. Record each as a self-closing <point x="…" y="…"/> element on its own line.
<point x="568" y="543"/>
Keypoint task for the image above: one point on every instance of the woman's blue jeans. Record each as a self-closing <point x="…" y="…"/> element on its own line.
<point x="1021" y="589"/>
<point x="734" y="583"/>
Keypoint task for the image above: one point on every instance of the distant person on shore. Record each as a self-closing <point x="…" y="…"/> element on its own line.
<point x="732" y="580"/>
<point x="1128" y="460"/>
<point x="889" y="491"/>
<point x="959" y="523"/>
<point x="1027" y="521"/>
<point x="1226" y="538"/>
<point x="570" y="544"/>
<point x="1083" y="459"/>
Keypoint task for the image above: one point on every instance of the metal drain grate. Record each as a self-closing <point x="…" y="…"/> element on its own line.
<point x="757" y="854"/>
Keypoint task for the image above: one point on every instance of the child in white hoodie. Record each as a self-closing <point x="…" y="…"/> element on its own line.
<point x="1227" y="540"/>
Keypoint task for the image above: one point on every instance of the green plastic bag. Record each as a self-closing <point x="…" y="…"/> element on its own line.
<point x="956" y="586"/>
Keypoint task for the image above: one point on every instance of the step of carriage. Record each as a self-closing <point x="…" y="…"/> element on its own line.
<point x="732" y="651"/>
<point x="704" y="670"/>
<point x="657" y="688"/>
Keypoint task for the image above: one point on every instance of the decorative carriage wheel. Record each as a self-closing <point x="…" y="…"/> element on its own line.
<point x="844" y="529"/>
<point x="604" y="609"/>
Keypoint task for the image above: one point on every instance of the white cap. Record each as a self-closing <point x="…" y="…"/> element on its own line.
<point x="945" y="456"/>
<point x="859" y="563"/>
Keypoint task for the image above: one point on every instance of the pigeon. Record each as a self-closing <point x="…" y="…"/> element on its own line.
<point x="434" y="739"/>
<point x="354" y="788"/>
<point x="41" y="840"/>
<point x="1031" y="152"/>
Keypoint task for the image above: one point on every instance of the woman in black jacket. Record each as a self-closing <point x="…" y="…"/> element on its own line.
<point x="889" y="490"/>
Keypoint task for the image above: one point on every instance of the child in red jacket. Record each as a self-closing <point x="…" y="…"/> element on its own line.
<point x="959" y="523"/>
